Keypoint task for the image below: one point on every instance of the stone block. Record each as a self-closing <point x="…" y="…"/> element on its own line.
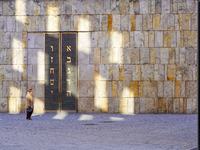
<point x="166" y="39"/>
<point x="191" y="6"/>
<point x="83" y="88"/>
<point x="149" y="105"/>
<point x="91" y="89"/>
<point x="132" y="22"/>
<point x="189" y="55"/>
<point x="147" y="22"/>
<point x="172" y="55"/>
<point x="124" y="21"/>
<point x="114" y="89"/>
<point x="8" y="72"/>
<point x="83" y="56"/>
<point x="40" y="23"/>
<point x="159" y="72"/>
<point x="166" y="6"/>
<point x="36" y="40"/>
<point x="146" y="38"/>
<point x="135" y="7"/>
<point x="181" y="106"/>
<point x="168" y="89"/>
<point x="193" y="89"/>
<point x="85" y="105"/>
<point x="147" y="72"/>
<point x="138" y="22"/>
<point x="115" y="22"/>
<point x="113" y="105"/>
<point x="2" y="56"/>
<point x="115" y="72"/>
<point x="144" y="7"/>
<point x="144" y="56"/>
<point x="160" y="89"/>
<point x="189" y="109"/>
<point x="158" y="39"/>
<point x="173" y="37"/>
<point x="10" y="23"/>
<point x="185" y="21"/>
<point x="138" y="39"/>
<point x="150" y="89"/>
<point x="128" y="72"/>
<point x="177" y="21"/>
<point x="176" y="106"/>
<point x="164" y="55"/>
<point x="161" y="105"/>
<point x="123" y="105"/>
<point x="181" y="6"/>
<point x="164" y="21"/>
<point x="135" y="56"/>
<point x="169" y="105"/>
<point x="194" y="21"/>
<point x="3" y="105"/>
<point x="12" y="105"/>
<point x="156" y="21"/>
<point x="130" y="105"/>
<point x="136" y="105"/>
<point x="125" y="38"/>
<point x="158" y="6"/>
<point x="125" y="91"/>
<point x="179" y="88"/>
<point x="21" y="102"/>
<point x="136" y="74"/>
<point x="142" y="107"/>
<point x="151" y="38"/>
<point x="134" y="89"/>
<point x="65" y="22"/>
<point x="8" y="7"/>
<point x="171" y="72"/>
<point x="104" y="102"/>
<point x="1" y="88"/>
<point x="104" y="72"/>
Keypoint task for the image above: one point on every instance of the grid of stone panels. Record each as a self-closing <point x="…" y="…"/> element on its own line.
<point x="135" y="56"/>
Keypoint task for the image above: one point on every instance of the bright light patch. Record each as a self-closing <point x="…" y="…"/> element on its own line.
<point x="116" y="119"/>
<point x="85" y="117"/>
<point x="60" y="116"/>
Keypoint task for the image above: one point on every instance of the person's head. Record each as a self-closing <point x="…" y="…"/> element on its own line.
<point x="30" y="91"/>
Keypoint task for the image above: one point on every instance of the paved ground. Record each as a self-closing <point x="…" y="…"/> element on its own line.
<point x="52" y="131"/>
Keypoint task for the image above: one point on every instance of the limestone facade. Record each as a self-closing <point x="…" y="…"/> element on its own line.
<point x="134" y="56"/>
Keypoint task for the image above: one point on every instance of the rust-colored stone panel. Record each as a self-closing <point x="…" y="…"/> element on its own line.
<point x="184" y="105"/>
<point x="171" y="72"/>
<point x="134" y="89"/>
<point x="166" y="39"/>
<point x="24" y="38"/>
<point x="132" y="22"/>
<point x="121" y="72"/>
<point x="156" y="21"/>
<point x="140" y="89"/>
<point x="177" y="89"/>
<point x="114" y="89"/>
<point x="104" y="105"/>
<point x="181" y="106"/>
<point x="110" y="21"/>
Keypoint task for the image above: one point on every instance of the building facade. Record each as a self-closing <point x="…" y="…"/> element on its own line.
<point x="99" y="56"/>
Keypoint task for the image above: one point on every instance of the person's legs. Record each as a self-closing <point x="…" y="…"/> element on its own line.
<point x="28" y="114"/>
<point x="31" y="114"/>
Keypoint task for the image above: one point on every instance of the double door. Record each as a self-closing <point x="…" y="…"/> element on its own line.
<point x="60" y="71"/>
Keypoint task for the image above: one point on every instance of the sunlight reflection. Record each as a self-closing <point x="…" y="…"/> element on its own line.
<point x="60" y="116"/>
<point x="40" y="67"/>
<point x="86" y="117"/>
<point x="37" y="114"/>
<point x="53" y="21"/>
<point x="117" y="119"/>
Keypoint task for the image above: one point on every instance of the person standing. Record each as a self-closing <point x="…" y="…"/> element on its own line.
<point x="29" y="104"/>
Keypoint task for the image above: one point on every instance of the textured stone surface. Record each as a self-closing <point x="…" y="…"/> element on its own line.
<point x="137" y="56"/>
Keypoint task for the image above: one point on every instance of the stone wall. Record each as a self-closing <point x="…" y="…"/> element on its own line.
<point x="134" y="56"/>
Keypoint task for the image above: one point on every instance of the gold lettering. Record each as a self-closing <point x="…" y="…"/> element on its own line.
<point x="68" y="80"/>
<point x="68" y="48"/>
<point x="51" y="91"/>
<point x="51" y="81"/>
<point x="68" y="93"/>
<point x="69" y="61"/>
<point x="51" y="70"/>
<point x="68" y="71"/>
<point x="52" y="48"/>
<point x="51" y="59"/>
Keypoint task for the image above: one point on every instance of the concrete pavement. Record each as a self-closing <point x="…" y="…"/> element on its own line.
<point x="98" y="131"/>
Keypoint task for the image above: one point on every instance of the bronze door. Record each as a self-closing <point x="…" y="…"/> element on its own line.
<point x="60" y="71"/>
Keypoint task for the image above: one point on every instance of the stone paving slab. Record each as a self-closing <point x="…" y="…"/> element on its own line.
<point x="98" y="131"/>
